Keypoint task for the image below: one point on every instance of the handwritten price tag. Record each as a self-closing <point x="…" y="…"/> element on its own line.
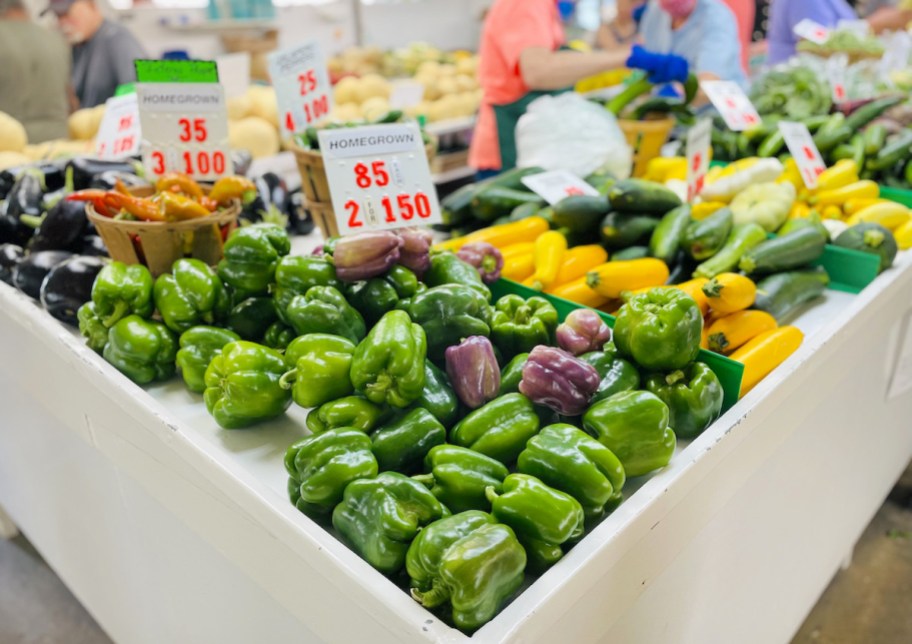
<point x="301" y="81"/>
<point x="732" y="103"/>
<point x="119" y="133"/>
<point x="185" y="129"/>
<point x="557" y="184"/>
<point x="379" y="177"/>
<point x="802" y="148"/>
<point x="698" y="150"/>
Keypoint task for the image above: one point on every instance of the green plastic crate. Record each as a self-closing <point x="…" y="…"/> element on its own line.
<point x="899" y="196"/>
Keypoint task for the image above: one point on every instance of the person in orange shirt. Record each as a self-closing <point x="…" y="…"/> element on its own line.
<point x="519" y="61"/>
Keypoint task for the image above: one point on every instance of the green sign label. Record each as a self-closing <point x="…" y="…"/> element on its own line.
<point x="176" y="71"/>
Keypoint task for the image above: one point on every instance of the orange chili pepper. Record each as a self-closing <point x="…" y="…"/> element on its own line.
<point x="97" y="197"/>
<point x="178" y="207"/>
<point x="144" y="209"/>
<point x="181" y="183"/>
<point x="209" y="204"/>
<point x="121" y="187"/>
<point x="227" y="189"/>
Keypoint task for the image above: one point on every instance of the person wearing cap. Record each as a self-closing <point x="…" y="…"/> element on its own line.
<point x="34" y="74"/>
<point x="103" y="51"/>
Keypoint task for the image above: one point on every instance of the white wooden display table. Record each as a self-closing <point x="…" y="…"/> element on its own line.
<point x="170" y="529"/>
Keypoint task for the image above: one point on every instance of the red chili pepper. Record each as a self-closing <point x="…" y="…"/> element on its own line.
<point x="140" y="208"/>
<point x="97" y="197"/>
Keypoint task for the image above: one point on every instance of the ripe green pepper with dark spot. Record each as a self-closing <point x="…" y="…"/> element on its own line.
<point x="499" y="429"/>
<point x="659" y="330"/>
<point x="192" y="294"/>
<point x="319" y="366"/>
<point x="243" y="385"/>
<point x="438" y="396"/>
<point x="295" y="275"/>
<point x="402" y="444"/>
<point x="323" y="309"/>
<point x="142" y="350"/>
<point x="459" y="477"/>
<point x="379" y="295"/>
<point x="278" y="336"/>
<point x="251" y="256"/>
<point x="448" y="314"/>
<point x="91" y="327"/>
<point x="518" y="324"/>
<point x="197" y="348"/>
<point x="251" y="318"/>
<point x="693" y="395"/>
<point x="469" y="560"/>
<point x="633" y="425"/>
<point x="616" y="374"/>
<point x="512" y="374"/>
<point x="350" y="411"/>
<point x="120" y="290"/>
<point x="321" y="465"/>
<point x="542" y="518"/>
<point x="569" y="460"/>
<point x="379" y="517"/>
<point x="388" y="365"/>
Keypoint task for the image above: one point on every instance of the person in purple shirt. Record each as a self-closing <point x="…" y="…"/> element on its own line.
<point x="785" y="14"/>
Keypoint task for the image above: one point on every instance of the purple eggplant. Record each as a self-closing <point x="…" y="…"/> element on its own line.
<point x="583" y="331"/>
<point x="415" y="253"/>
<point x="366" y="255"/>
<point x="10" y="255"/>
<point x="473" y="371"/>
<point x="486" y="259"/>
<point x="69" y="285"/>
<point x="557" y="379"/>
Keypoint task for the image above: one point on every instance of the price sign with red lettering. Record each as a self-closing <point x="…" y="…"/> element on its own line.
<point x="802" y="148"/>
<point x="303" y="92"/>
<point x="555" y="185"/>
<point x="379" y="177"/>
<point x="119" y="133"/>
<point x="810" y="30"/>
<point x="698" y="149"/>
<point x="732" y="103"/>
<point x="185" y="129"/>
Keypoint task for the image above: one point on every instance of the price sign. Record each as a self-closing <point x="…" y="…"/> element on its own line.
<point x="185" y="129"/>
<point x="802" y="148"/>
<point x="813" y="31"/>
<point x="119" y="133"/>
<point x="303" y="92"/>
<point x="379" y="177"/>
<point x="698" y="150"/>
<point x="555" y="185"/>
<point x="732" y="103"/>
<point x="836" y="66"/>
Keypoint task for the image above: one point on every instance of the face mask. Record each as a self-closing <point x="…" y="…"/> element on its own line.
<point x="677" y="8"/>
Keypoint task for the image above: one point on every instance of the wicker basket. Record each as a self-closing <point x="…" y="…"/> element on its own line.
<point x="646" y="139"/>
<point x="158" y="244"/>
<point x="324" y="217"/>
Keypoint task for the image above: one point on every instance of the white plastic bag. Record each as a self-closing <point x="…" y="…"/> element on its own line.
<point x="567" y="132"/>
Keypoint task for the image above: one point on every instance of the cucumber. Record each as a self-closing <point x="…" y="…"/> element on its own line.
<point x="869" y="237"/>
<point x="896" y="149"/>
<point x="512" y="178"/>
<point x="580" y="213"/>
<point x="782" y="294"/>
<point x="813" y="221"/>
<point x="524" y="210"/>
<point x="771" y="145"/>
<point x="740" y="240"/>
<point x="666" y="238"/>
<point x="620" y="231"/>
<point x="495" y="201"/>
<point x="456" y="207"/>
<point x="633" y="252"/>
<point x="703" y="239"/>
<point x="867" y="113"/>
<point x="642" y="197"/>
<point x="875" y="136"/>
<point x="798" y="248"/>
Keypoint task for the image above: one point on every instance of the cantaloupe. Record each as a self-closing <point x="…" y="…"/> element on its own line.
<point x="263" y="104"/>
<point x="254" y="134"/>
<point x="346" y="90"/>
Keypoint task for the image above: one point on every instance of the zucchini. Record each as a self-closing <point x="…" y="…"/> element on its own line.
<point x="703" y="239"/>
<point x="643" y="197"/>
<point x="771" y="145"/>
<point x="794" y="250"/>
<point x="782" y="294"/>
<point x="524" y="210"/>
<point x="666" y="238"/>
<point x="494" y="202"/>
<point x="869" y="237"/>
<point x="812" y="221"/>
<point x="632" y="252"/>
<point x="456" y="207"/>
<point x="620" y="231"/>
<point x="895" y="150"/>
<point x="740" y="240"/>
<point x="875" y="136"/>
<point x="867" y="113"/>
<point x="580" y="213"/>
<point x="512" y="178"/>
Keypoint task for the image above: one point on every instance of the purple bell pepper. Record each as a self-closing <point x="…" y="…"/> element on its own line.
<point x="415" y="254"/>
<point x="366" y="255"/>
<point x="556" y="379"/>
<point x="473" y="371"/>
<point x="486" y="258"/>
<point x="583" y="331"/>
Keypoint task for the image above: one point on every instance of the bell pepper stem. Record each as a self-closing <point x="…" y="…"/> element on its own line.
<point x="491" y="494"/>
<point x="288" y="379"/>
<point x="424" y="479"/>
<point x="120" y="310"/>
<point x="674" y="377"/>
<point x="431" y="598"/>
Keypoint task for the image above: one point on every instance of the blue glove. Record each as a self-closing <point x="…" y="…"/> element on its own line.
<point x="668" y="91"/>
<point x="659" y="68"/>
<point x="637" y="13"/>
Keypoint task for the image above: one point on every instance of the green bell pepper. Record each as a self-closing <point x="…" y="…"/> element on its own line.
<point x="197" y="348"/>
<point x="379" y="517"/>
<point x="323" y="309"/>
<point x="469" y="560"/>
<point x="250" y="258"/>
<point x="633" y="425"/>
<point x="192" y="294"/>
<point x="278" y="336"/>
<point x="542" y="518"/>
<point x="120" y="290"/>
<point x="321" y="465"/>
<point x="498" y="429"/>
<point x="402" y="444"/>
<point x="693" y="395"/>
<point x="91" y="327"/>
<point x="319" y="366"/>
<point x="438" y="396"/>
<point x="405" y="303"/>
<point x="569" y="460"/>
<point x="447" y="268"/>
<point x="518" y="325"/>
<point x="459" y="477"/>
<point x="295" y="275"/>
<point x="511" y="375"/>
<point x="616" y="374"/>
<point x="243" y="385"/>
<point x="350" y="411"/>
<point x="448" y="314"/>
<point x="252" y="318"/>
<point x="388" y="365"/>
<point x="142" y="350"/>
<point x="379" y="295"/>
<point x="659" y="330"/>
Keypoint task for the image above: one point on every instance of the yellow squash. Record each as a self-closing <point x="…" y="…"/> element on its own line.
<point x="518" y="267"/>
<point x="577" y="261"/>
<point x="729" y="292"/>
<point x="525" y="230"/>
<point x="903" y="235"/>
<point x="578" y="291"/>
<point x="522" y="248"/>
<point x="613" y="278"/>
<point x="765" y="352"/>
<point x="549" y="252"/>
<point x="694" y="288"/>
<point x="865" y="189"/>
<point x="890" y="215"/>
<point x="732" y="331"/>
<point x="704" y="209"/>
<point x="842" y="173"/>
<point x="854" y="205"/>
